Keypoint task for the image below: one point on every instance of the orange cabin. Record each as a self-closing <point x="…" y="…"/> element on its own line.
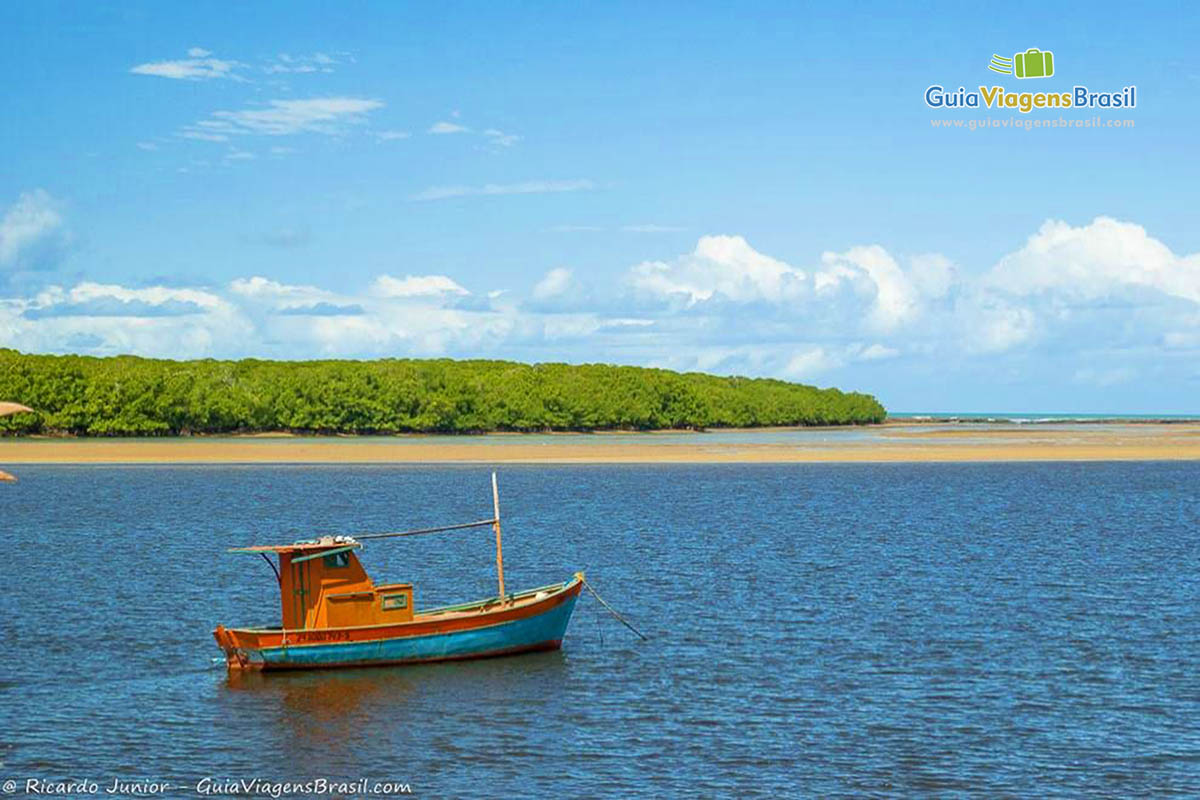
<point x="322" y="584"/>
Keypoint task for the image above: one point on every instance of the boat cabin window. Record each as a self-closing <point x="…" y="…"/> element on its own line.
<point x="392" y="602"/>
<point x="337" y="559"/>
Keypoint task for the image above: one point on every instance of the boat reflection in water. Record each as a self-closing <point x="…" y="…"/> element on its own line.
<point x="327" y="719"/>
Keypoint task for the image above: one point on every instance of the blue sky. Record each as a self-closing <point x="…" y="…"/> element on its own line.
<point x="753" y="189"/>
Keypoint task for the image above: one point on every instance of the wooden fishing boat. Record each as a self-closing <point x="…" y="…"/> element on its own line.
<point x="334" y="615"/>
<point x="7" y="408"/>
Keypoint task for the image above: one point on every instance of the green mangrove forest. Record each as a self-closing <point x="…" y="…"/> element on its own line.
<point x="130" y="396"/>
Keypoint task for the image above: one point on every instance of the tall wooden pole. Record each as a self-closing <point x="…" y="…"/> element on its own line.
<point x="499" y="550"/>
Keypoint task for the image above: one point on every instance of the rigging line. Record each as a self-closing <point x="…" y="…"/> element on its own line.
<point x="418" y="531"/>
<point x="613" y="611"/>
<point x="271" y="564"/>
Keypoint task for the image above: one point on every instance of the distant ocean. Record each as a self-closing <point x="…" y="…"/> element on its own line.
<point x="1035" y="418"/>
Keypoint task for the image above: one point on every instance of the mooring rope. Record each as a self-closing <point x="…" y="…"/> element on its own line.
<point x="613" y="611"/>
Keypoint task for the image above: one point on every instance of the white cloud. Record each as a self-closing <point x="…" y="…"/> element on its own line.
<point x="1100" y="259"/>
<point x="499" y="137"/>
<point x="109" y="319"/>
<point x="198" y="67"/>
<point x="494" y="137"/>
<point x="203" y="136"/>
<point x="259" y="297"/>
<point x="628" y="322"/>
<point x="327" y="115"/>
<point x="288" y="64"/>
<point x="527" y="187"/>
<point x="255" y="316"/>
<point x="392" y="136"/>
<point x="265" y="289"/>
<point x="31" y="231"/>
<point x="809" y="362"/>
<point x="933" y="275"/>
<point x="447" y="127"/>
<point x="1092" y="288"/>
<point x="720" y="265"/>
<point x="895" y="300"/>
<point x="991" y="324"/>
<point x="877" y="352"/>
<point x="416" y="286"/>
<point x="844" y="318"/>
<point x="152" y="296"/>
<point x="555" y="283"/>
<point x="792" y="361"/>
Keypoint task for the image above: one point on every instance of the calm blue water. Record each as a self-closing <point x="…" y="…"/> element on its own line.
<point x="817" y="630"/>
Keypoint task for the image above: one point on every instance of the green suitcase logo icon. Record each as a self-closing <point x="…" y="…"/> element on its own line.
<point x="1034" y="63"/>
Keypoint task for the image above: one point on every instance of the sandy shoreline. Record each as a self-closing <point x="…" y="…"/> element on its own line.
<point x="1141" y="442"/>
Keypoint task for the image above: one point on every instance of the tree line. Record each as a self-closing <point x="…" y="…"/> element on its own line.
<point x="131" y="396"/>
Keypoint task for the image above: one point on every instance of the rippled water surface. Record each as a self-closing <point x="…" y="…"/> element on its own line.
<point x="816" y="630"/>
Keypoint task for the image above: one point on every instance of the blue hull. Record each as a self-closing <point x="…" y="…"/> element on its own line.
<point x="542" y="632"/>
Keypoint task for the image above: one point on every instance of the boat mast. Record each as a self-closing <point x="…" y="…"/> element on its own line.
<point x="496" y="525"/>
<point x="494" y="522"/>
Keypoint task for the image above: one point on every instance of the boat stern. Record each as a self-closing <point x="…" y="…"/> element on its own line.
<point x="237" y="657"/>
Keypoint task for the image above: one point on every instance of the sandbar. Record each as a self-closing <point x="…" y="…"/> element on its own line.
<point x="907" y="443"/>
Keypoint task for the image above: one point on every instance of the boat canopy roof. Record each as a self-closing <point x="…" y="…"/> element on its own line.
<point x="304" y="545"/>
<point x="7" y="408"/>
